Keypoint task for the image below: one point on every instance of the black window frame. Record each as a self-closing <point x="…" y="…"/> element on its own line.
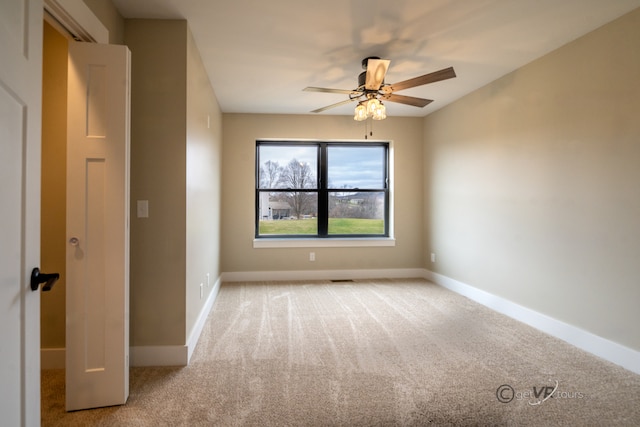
<point x="322" y="188"/>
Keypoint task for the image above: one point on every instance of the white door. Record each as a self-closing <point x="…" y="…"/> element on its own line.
<point x="97" y="336"/>
<point x="20" y="124"/>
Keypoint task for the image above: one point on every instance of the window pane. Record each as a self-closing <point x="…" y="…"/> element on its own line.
<point x="288" y="213"/>
<point x="284" y="166"/>
<point x="356" y="213"/>
<point x="293" y="201"/>
<point x="356" y="167"/>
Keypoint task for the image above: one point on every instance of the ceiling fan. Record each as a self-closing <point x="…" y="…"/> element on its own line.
<point x="372" y="89"/>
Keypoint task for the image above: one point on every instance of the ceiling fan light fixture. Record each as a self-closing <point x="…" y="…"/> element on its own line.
<point x="371" y="87"/>
<point x="372" y="105"/>
<point x="360" y="113"/>
<point x="380" y="113"/>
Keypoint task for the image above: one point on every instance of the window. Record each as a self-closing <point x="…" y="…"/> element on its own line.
<point x="322" y="189"/>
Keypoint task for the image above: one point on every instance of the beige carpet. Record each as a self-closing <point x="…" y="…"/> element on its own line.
<point x="367" y="353"/>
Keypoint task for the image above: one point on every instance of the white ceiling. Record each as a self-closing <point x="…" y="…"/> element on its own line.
<point x="260" y="54"/>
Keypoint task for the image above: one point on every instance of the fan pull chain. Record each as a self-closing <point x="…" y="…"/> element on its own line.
<point x="365" y="129"/>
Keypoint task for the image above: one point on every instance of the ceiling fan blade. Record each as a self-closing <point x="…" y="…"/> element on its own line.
<point x="327" y="90"/>
<point x="376" y="70"/>
<point x="337" y="104"/>
<point x="436" y="76"/>
<point x="408" y="100"/>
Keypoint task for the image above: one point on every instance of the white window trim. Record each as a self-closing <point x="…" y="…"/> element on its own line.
<point x="265" y="242"/>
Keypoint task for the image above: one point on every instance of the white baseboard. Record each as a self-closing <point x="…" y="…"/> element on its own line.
<point x="202" y="319"/>
<point x="52" y="358"/>
<point x="268" y="276"/>
<point x="594" y="344"/>
<point x="175" y="355"/>
<point x="159" y="355"/>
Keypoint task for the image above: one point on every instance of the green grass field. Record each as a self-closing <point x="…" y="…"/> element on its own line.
<point x="336" y="226"/>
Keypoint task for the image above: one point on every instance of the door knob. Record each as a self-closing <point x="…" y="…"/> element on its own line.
<point x="48" y="279"/>
<point x="74" y="241"/>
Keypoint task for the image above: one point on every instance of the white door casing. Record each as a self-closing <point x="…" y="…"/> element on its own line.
<point x="20" y="136"/>
<point x="97" y="337"/>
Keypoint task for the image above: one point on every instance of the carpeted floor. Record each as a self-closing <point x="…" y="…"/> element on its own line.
<point x="366" y="353"/>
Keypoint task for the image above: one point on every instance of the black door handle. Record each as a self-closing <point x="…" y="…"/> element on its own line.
<point x="48" y="279"/>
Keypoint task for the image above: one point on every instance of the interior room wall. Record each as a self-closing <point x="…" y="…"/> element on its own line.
<point x="158" y="175"/>
<point x="531" y="185"/>
<point x="204" y="153"/>
<point x="107" y="13"/>
<point x="54" y="184"/>
<point x="240" y="132"/>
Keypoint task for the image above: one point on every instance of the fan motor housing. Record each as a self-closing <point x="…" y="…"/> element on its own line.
<point x="362" y="78"/>
<point x="365" y="61"/>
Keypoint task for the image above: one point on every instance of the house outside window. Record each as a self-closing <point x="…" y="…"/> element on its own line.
<point x="322" y="189"/>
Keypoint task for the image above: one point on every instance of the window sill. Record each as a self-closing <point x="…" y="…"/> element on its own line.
<point x="346" y="242"/>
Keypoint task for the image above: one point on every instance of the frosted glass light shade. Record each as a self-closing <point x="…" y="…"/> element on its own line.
<point x="360" y="113"/>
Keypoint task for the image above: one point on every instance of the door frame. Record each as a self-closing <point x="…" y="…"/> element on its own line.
<point x="75" y="18"/>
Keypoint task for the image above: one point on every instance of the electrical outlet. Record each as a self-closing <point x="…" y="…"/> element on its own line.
<point x="312" y="256"/>
<point x="201" y="290"/>
<point x="433" y="257"/>
<point x="208" y="282"/>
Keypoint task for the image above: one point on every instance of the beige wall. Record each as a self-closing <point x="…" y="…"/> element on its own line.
<point x="54" y="161"/>
<point x="158" y="174"/>
<point x="240" y="132"/>
<point x="532" y="185"/>
<point x="175" y="165"/>
<point x="110" y="18"/>
<point x="204" y="153"/>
